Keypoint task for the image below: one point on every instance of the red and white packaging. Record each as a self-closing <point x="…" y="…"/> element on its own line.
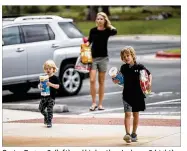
<point x="80" y="67"/>
<point x="145" y="82"/>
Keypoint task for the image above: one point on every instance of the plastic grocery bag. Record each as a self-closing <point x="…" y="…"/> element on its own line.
<point x="80" y="67"/>
<point x="116" y="75"/>
<point x="144" y="82"/>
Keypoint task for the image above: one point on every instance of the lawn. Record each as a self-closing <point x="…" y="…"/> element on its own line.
<point x="174" y="51"/>
<point x="164" y="27"/>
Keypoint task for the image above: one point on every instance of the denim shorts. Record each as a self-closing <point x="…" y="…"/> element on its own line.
<point x="100" y="64"/>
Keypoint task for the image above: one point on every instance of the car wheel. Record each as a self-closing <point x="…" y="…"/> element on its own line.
<point x="20" y="89"/>
<point x="71" y="80"/>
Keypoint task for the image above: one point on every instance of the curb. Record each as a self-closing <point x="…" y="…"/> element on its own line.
<point x="34" y="107"/>
<point x="167" y="54"/>
<point x="146" y="38"/>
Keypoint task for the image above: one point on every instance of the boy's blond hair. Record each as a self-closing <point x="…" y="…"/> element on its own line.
<point x="51" y="64"/>
<point x="128" y="50"/>
<point x="107" y="21"/>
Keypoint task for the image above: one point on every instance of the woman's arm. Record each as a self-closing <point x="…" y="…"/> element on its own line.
<point x="113" y="30"/>
<point x="90" y="39"/>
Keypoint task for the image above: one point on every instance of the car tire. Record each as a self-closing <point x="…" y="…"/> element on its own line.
<point x="21" y="89"/>
<point x="71" y="80"/>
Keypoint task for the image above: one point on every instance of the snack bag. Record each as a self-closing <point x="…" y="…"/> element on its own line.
<point x="45" y="88"/>
<point x="86" y="56"/>
<point x="144" y="82"/>
<point x="116" y="75"/>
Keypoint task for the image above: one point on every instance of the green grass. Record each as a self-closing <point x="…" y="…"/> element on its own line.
<point x="174" y="51"/>
<point x="166" y="27"/>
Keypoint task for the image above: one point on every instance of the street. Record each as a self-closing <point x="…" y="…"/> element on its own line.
<point x="166" y="86"/>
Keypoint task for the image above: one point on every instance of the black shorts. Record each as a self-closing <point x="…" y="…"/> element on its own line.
<point x="129" y="108"/>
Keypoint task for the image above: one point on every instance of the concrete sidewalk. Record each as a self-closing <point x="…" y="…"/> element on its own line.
<point x="24" y="128"/>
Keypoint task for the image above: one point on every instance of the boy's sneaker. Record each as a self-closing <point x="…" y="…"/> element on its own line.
<point x="45" y="120"/>
<point x="127" y="138"/>
<point x="134" y="137"/>
<point x="49" y="125"/>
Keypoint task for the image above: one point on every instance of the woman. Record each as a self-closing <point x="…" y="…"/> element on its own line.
<point x="98" y="38"/>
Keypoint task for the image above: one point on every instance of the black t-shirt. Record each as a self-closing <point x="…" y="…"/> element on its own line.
<point x="132" y="92"/>
<point x="54" y="80"/>
<point x="99" y="41"/>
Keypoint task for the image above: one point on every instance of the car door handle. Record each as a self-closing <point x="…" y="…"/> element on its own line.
<point x="19" y="50"/>
<point x="55" y="46"/>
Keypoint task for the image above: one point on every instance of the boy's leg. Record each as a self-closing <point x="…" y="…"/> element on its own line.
<point x="127" y="137"/>
<point x="127" y="118"/>
<point x="50" y="106"/>
<point x="127" y="122"/>
<point x="42" y="107"/>
<point x="135" y="121"/>
<point x="135" y="126"/>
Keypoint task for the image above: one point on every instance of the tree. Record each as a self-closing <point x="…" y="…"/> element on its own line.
<point x="106" y="10"/>
<point x="13" y="10"/>
<point x="92" y="12"/>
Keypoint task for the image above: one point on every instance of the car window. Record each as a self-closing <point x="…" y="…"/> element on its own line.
<point x="36" y="33"/>
<point x="51" y="33"/>
<point x="11" y="36"/>
<point x="70" y="30"/>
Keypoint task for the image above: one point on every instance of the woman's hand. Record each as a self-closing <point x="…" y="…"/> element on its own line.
<point x="87" y="43"/>
<point x="111" y="27"/>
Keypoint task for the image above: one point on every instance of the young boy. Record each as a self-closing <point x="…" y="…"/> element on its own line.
<point x="48" y="101"/>
<point x="133" y="97"/>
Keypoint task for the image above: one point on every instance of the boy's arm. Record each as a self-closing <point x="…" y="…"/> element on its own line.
<point x="56" y="86"/>
<point x="150" y="79"/>
<point x="115" y="81"/>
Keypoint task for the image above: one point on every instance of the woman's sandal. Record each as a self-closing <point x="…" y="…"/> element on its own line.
<point x="92" y="108"/>
<point x="101" y="108"/>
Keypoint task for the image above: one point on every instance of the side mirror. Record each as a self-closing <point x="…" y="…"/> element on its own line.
<point x="2" y="43"/>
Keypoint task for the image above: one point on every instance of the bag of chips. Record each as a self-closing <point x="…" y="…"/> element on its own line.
<point x="86" y="55"/>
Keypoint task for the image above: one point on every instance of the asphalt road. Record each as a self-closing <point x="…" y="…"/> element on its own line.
<point x="166" y="87"/>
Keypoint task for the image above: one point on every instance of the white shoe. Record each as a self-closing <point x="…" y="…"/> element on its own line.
<point x="127" y="138"/>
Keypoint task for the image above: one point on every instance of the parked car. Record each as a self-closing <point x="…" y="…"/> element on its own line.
<point x="31" y="40"/>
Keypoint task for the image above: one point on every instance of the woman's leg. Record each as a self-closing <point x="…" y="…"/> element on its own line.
<point x="135" y="121"/>
<point x="93" y="86"/>
<point x="101" y="81"/>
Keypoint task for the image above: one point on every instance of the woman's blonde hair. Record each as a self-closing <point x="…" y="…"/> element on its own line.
<point x="51" y="64"/>
<point x="107" y="21"/>
<point x="128" y="50"/>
